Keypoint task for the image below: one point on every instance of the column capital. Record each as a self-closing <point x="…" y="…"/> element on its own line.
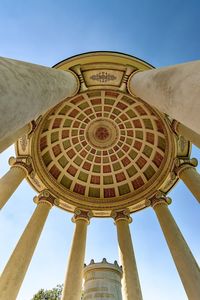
<point x="79" y="78"/>
<point x="181" y="164"/>
<point x="32" y="126"/>
<point x="124" y="82"/>
<point x="45" y="197"/>
<point x="160" y="198"/>
<point x="23" y="162"/>
<point x="184" y="132"/>
<point x="174" y="126"/>
<point x="121" y="215"/>
<point x="130" y="90"/>
<point x="80" y="214"/>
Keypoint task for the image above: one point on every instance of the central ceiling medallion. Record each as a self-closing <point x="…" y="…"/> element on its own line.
<point x="102" y="133"/>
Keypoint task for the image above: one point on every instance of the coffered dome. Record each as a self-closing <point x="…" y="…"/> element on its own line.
<point x="103" y="149"/>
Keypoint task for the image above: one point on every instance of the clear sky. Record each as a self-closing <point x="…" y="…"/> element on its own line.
<point x="47" y="31"/>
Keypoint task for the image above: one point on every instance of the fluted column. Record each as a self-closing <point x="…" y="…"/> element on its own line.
<point x="130" y="283"/>
<point x="186" y="132"/>
<point x="174" y="90"/>
<point x="187" y="172"/>
<point x="185" y="262"/>
<point x="74" y="276"/>
<point x="15" y="270"/>
<point x="20" y="168"/>
<point x="28" y="90"/>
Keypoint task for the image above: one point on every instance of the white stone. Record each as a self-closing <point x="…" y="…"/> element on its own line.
<point x="173" y="90"/>
<point x="102" y="281"/>
<point x="28" y="90"/>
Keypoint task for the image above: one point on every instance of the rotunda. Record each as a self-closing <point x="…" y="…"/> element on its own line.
<point x="103" y="150"/>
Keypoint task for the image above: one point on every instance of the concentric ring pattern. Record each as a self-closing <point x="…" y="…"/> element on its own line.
<point x="102" y="145"/>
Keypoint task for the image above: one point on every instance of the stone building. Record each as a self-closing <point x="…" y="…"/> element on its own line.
<point x="102" y="281"/>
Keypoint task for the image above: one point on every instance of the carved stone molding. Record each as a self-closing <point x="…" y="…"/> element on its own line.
<point x="44" y="197"/>
<point x="82" y="215"/>
<point x="160" y="198"/>
<point x="81" y="81"/>
<point x="32" y="126"/>
<point x="121" y="215"/>
<point x="181" y="165"/>
<point x="125" y="78"/>
<point x="174" y="126"/>
<point x="23" y="162"/>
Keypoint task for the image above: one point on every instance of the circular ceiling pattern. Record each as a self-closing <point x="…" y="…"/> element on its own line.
<point x="103" y="144"/>
<point x="102" y="149"/>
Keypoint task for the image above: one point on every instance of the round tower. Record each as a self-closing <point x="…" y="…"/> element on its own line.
<point x="102" y="281"/>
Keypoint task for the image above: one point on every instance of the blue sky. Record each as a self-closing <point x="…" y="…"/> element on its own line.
<point x="45" y="32"/>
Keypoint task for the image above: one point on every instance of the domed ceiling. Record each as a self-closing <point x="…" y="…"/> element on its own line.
<point x="102" y="149"/>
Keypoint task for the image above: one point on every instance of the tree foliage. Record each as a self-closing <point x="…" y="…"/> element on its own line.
<point x="54" y="294"/>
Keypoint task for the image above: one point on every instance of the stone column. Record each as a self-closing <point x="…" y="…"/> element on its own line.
<point x="15" y="270"/>
<point x="130" y="282"/>
<point x="186" y="132"/>
<point x="29" y="90"/>
<point x="20" y="168"/>
<point x="173" y="90"/>
<point x="11" y="139"/>
<point x="185" y="263"/>
<point x="74" y="276"/>
<point x="186" y="171"/>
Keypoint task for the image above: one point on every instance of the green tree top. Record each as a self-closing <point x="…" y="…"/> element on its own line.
<point x="54" y="294"/>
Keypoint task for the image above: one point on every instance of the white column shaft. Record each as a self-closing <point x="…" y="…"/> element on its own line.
<point x="189" y="134"/>
<point x="191" y="178"/>
<point x="74" y="276"/>
<point x="173" y="90"/>
<point x="9" y="183"/>
<point x="11" y="139"/>
<point x="29" y="90"/>
<point x="15" y="270"/>
<point x="185" y="263"/>
<point x="131" y="284"/>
